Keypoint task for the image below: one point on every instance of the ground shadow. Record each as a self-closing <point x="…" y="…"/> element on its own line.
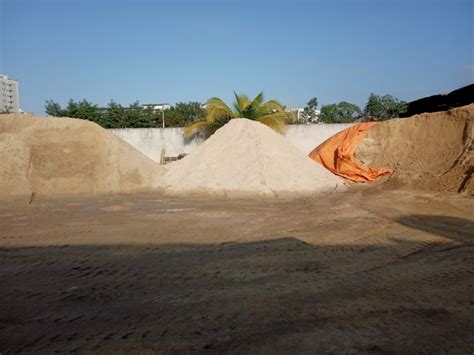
<point x="458" y="229"/>
<point x="276" y="296"/>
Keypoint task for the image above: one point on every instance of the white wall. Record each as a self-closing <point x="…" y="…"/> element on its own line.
<point x="150" y="141"/>
<point x="306" y="137"/>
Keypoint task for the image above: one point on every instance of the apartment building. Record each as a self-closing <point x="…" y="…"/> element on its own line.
<point x="9" y="97"/>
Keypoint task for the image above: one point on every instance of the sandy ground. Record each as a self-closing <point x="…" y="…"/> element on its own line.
<point x="384" y="272"/>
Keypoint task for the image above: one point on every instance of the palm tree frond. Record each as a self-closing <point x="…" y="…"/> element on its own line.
<point x="241" y="103"/>
<point x="203" y="127"/>
<point x="258" y="100"/>
<point x="292" y="117"/>
<point x="216" y="113"/>
<point x="217" y="108"/>
<point x="273" y="106"/>
<point x="275" y="121"/>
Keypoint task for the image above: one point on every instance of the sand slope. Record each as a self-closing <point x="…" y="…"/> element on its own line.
<point x="64" y="155"/>
<point x="431" y="151"/>
<point x="246" y="157"/>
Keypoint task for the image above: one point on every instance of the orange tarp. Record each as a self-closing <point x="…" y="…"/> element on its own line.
<point x="337" y="155"/>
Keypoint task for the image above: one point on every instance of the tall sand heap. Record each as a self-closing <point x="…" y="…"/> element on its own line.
<point x="248" y="158"/>
<point x="65" y="155"/>
<point x="432" y="151"/>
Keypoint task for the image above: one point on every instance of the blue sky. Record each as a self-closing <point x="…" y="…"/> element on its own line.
<point x="171" y="51"/>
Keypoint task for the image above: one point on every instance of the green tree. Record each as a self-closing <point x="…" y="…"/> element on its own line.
<point x="343" y="112"/>
<point x="138" y="117"/>
<point x="152" y="118"/>
<point x="381" y="108"/>
<point x="191" y="111"/>
<point x="54" y="109"/>
<point x="184" y="113"/>
<point x="309" y="112"/>
<point x="348" y="112"/>
<point x="175" y="118"/>
<point x="133" y="116"/>
<point x="329" y="113"/>
<point x="114" y="116"/>
<point x="83" y="109"/>
<point x="270" y="113"/>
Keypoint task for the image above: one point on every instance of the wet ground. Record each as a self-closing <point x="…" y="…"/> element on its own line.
<point x="365" y="272"/>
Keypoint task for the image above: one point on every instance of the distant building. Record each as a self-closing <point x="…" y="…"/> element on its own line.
<point x="9" y="100"/>
<point x="157" y="107"/>
<point x="154" y="107"/>
<point x="299" y="115"/>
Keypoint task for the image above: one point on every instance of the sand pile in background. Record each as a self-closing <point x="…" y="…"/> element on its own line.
<point x="64" y="155"/>
<point x="432" y="151"/>
<point x="248" y="158"/>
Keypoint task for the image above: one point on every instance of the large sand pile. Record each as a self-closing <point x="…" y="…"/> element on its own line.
<point x="432" y="151"/>
<point x="64" y="155"/>
<point x="248" y="158"/>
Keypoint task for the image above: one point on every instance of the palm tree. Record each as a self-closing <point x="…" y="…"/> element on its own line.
<point x="270" y="113"/>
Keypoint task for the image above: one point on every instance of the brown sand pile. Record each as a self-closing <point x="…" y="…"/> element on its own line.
<point x="64" y="155"/>
<point x="248" y="158"/>
<point x="432" y="151"/>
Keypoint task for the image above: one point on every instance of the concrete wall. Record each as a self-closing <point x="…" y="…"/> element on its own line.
<point x="150" y="141"/>
<point x="307" y="137"/>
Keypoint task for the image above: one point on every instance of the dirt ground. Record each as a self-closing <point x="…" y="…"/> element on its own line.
<point x="361" y="271"/>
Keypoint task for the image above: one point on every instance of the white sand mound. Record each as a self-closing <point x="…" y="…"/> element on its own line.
<point x="248" y="158"/>
<point x="64" y="155"/>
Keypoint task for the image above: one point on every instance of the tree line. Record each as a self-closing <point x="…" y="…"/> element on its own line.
<point x="378" y="108"/>
<point x="114" y="115"/>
